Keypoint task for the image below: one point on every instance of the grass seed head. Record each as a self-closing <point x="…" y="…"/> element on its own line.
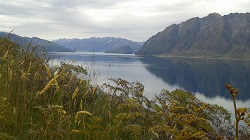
<point x="5" y="55"/>
<point x="75" y="93"/>
<point x="47" y="70"/>
<point x="82" y="112"/>
<point x="49" y="85"/>
<point x="10" y="73"/>
<point x="228" y="86"/>
<point x="75" y="131"/>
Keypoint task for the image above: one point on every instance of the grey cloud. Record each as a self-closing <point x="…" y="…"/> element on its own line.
<point x="96" y="4"/>
<point x="63" y="15"/>
<point x="68" y="18"/>
<point x="244" y="5"/>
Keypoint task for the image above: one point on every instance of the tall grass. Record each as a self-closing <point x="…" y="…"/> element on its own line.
<point x="43" y="102"/>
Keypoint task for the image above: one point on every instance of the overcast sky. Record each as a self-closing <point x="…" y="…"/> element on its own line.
<point x="132" y="19"/>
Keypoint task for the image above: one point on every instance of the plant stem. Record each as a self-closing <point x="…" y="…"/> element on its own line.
<point x="236" y="119"/>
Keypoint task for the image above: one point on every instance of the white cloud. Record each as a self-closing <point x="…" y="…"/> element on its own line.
<point x="133" y="19"/>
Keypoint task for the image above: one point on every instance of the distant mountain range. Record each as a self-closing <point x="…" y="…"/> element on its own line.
<point x="105" y="44"/>
<point x="47" y="46"/>
<point x="213" y="36"/>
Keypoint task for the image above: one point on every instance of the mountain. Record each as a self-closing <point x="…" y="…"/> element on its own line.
<point x="123" y="49"/>
<point x="48" y="46"/>
<point x="213" y="36"/>
<point x="106" y="44"/>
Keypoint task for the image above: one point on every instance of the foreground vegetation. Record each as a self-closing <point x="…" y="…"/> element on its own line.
<point x="38" y="101"/>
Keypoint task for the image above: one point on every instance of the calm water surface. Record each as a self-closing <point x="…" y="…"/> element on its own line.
<point x="204" y="77"/>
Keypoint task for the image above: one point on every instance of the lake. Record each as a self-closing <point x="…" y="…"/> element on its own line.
<point x="206" y="78"/>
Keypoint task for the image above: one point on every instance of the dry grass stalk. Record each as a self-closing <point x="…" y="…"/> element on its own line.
<point x="24" y="75"/>
<point x="94" y="90"/>
<point x="21" y="63"/>
<point x="5" y="55"/>
<point x="75" y="131"/>
<point x="82" y="112"/>
<point x="48" y="85"/>
<point x="47" y="70"/>
<point x="10" y="73"/>
<point x="75" y="93"/>
<point x="29" y="68"/>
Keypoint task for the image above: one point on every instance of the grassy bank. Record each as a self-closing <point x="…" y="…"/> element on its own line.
<point x="43" y="102"/>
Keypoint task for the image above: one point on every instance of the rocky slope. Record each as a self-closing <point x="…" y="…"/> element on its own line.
<point x="213" y="36"/>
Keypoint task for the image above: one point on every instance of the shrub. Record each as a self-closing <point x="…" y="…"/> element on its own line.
<point x="39" y="101"/>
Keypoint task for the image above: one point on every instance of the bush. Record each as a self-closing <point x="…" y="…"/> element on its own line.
<point x="38" y="101"/>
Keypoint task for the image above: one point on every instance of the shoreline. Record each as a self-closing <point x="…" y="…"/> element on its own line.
<point x="199" y="57"/>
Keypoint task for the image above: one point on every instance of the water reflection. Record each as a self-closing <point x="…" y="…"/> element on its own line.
<point x="127" y="67"/>
<point x="206" y="76"/>
<point x="94" y="57"/>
